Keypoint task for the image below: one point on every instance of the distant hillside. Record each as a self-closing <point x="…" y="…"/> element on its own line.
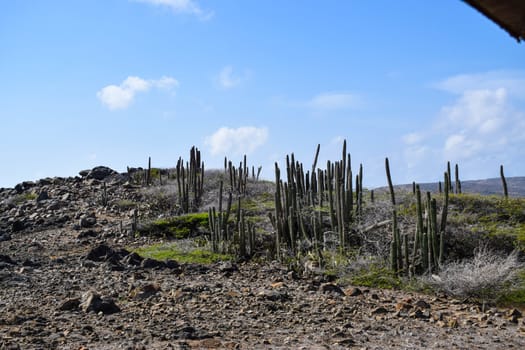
<point x="515" y="185"/>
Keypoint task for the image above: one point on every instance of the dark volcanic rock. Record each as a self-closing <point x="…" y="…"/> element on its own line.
<point x="6" y="259"/>
<point x="132" y="259"/>
<point x="70" y="304"/>
<point x="92" y="301"/>
<point x="103" y="252"/>
<point x="98" y="173"/>
<point x="42" y="196"/>
<point x="189" y="332"/>
<point x="151" y="263"/>
<point x="332" y="288"/>
<point x="18" y="225"/>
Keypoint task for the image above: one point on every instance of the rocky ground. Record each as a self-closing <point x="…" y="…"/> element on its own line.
<point x="69" y="281"/>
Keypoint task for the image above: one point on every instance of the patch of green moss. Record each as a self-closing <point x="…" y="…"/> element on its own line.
<point x="171" y="251"/>
<point x="263" y="202"/>
<point x="376" y="277"/>
<point x="30" y="196"/>
<point x="21" y="198"/>
<point x="178" y="226"/>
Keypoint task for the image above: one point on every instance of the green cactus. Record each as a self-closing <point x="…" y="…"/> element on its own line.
<point x="390" y="186"/>
<point x="504" y="182"/>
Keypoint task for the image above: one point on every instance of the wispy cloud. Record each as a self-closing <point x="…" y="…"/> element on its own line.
<point x="182" y="7"/>
<point x="228" y="79"/>
<point x="330" y="101"/>
<point x="121" y="96"/>
<point x="512" y="81"/>
<point x="242" y="140"/>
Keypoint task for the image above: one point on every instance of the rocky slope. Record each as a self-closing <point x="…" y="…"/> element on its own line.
<point x="68" y="280"/>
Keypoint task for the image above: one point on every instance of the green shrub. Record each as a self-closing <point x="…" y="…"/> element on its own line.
<point x="183" y="226"/>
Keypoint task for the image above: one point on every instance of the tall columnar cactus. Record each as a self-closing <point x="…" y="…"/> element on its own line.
<point x="242" y="235"/>
<point x="395" y="246"/>
<point x="434" y="251"/>
<point x="390" y="186"/>
<point x="449" y="173"/>
<point x="444" y="212"/>
<point x="148" y="174"/>
<point x="329" y="183"/>
<point x="360" y="198"/>
<point x="418" y="238"/>
<point x="458" y="182"/>
<point x="316" y="158"/>
<point x="504" y="182"/>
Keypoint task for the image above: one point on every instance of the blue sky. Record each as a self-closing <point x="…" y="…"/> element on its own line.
<point x="111" y="82"/>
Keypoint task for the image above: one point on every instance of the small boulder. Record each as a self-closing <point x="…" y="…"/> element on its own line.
<point x="6" y="259"/>
<point x="69" y="304"/>
<point x="152" y="263"/>
<point x="331" y="288"/>
<point x="93" y="302"/>
<point x="42" y="196"/>
<point x="379" y="310"/>
<point x="18" y="225"/>
<point x="99" y="173"/>
<point x="353" y="292"/>
<point x="132" y="259"/>
<point x="145" y="291"/>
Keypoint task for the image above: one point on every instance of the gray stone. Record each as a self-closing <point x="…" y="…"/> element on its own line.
<point x="100" y="173"/>
<point x="42" y="196"/>
<point x="93" y="302"/>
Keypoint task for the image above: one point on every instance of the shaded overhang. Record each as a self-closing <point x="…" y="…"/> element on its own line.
<point x="508" y="14"/>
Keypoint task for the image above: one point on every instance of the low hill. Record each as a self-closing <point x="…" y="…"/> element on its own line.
<point x="515" y="185"/>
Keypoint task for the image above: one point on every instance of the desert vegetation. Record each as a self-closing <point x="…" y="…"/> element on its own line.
<point x="322" y="221"/>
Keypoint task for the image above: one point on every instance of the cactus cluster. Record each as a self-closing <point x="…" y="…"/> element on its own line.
<point x="239" y="236"/>
<point x="239" y="176"/>
<point x="300" y="202"/>
<point x="218" y="221"/>
<point x="190" y="180"/>
<point x="428" y="241"/>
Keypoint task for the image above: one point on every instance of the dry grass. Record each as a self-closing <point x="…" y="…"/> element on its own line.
<point x="484" y="277"/>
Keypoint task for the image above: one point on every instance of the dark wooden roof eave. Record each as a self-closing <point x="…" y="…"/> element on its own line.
<point x="519" y="34"/>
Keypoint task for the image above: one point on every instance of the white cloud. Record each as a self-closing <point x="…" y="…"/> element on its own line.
<point x="182" y="6"/>
<point x="480" y="110"/>
<point x="482" y="125"/>
<point x="242" y="140"/>
<point x="334" y="101"/>
<point x="228" y="79"/>
<point x="512" y="81"/>
<point x="460" y="146"/>
<point x="165" y="83"/>
<point x="121" y="96"/>
<point x="337" y="140"/>
<point x="413" y="138"/>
